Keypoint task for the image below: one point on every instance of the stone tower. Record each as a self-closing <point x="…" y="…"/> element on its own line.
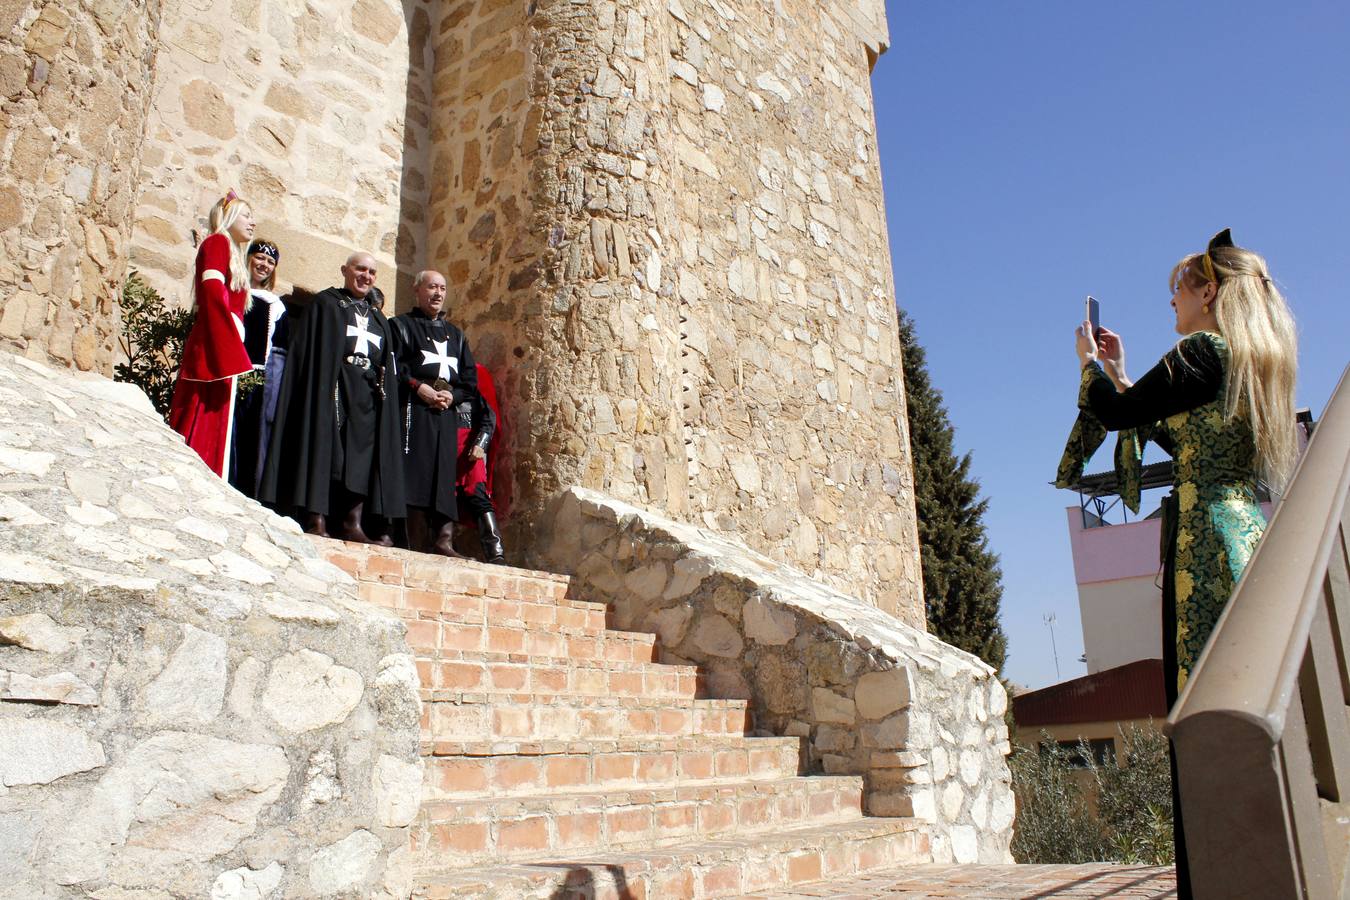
<point x="662" y="223"/>
<point x="75" y="82"/>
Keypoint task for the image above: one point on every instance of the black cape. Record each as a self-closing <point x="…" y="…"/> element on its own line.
<point x="322" y="397"/>
<point x="430" y="350"/>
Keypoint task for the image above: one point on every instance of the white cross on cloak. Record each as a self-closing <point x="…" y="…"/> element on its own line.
<point x="441" y="358"/>
<point x="364" y="337"/>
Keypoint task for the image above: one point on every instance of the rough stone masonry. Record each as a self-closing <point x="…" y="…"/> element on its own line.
<point x="190" y="699"/>
<point x="75" y="81"/>
<point x="662" y="223"/>
<point x="920" y="720"/>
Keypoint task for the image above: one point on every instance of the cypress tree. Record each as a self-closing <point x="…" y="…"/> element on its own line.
<point x="962" y="584"/>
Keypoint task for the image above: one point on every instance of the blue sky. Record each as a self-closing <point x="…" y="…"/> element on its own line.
<point x="1033" y="153"/>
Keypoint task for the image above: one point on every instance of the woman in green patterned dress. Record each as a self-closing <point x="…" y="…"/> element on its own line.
<point x="1221" y="403"/>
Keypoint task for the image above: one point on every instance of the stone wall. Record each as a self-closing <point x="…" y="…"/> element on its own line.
<point x="74" y="86"/>
<point x="316" y="112"/>
<point x="866" y="21"/>
<point x="921" y="721"/>
<point x="192" y="703"/>
<point x="479" y="147"/>
<point x="794" y="405"/>
<point x="665" y="236"/>
<point x="578" y="318"/>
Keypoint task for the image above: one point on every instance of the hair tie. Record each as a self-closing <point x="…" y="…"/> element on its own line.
<point x="267" y="248"/>
<point x="229" y="198"/>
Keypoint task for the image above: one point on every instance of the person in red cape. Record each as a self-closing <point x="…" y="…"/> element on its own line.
<point x="487" y="389"/>
<point x="477" y="460"/>
<point x="202" y="409"/>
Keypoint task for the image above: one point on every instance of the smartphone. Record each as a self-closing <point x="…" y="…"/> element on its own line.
<point x="1094" y="315"/>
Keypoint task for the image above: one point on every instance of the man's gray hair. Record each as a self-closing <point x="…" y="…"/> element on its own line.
<point x="422" y="276"/>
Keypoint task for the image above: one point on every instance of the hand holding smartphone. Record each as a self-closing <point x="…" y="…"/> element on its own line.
<point x="1094" y="316"/>
<point x="1105" y="344"/>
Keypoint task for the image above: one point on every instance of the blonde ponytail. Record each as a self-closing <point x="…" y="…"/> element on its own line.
<point x="1263" y="351"/>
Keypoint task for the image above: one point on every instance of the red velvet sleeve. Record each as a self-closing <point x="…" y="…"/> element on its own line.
<point x="212" y="256"/>
<point x="214" y="349"/>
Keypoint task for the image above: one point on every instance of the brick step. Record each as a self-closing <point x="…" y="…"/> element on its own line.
<point x="543" y="717"/>
<point x="534" y="614"/>
<point x="494" y="770"/>
<point x="721" y="868"/>
<point x="521" y="674"/>
<point x="469" y="832"/>
<point x="452" y="640"/>
<point x="422" y="571"/>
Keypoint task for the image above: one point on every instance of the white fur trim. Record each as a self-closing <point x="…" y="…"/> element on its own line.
<point x="213" y="275"/>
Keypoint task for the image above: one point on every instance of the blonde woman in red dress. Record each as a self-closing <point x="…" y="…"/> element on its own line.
<point x="202" y="409"/>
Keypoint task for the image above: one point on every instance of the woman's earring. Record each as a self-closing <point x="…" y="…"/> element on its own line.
<point x="1205" y="309"/>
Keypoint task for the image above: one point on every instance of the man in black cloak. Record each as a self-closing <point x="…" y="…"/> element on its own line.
<point x="444" y="442"/>
<point x="335" y="445"/>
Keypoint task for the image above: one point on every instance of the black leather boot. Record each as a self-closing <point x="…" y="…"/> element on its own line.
<point x="444" y="542"/>
<point x="315" y="524"/>
<point x="379" y="529"/>
<point x="351" y="525"/>
<point x="491" y="539"/>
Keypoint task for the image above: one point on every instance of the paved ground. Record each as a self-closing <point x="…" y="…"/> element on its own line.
<point x="995" y="883"/>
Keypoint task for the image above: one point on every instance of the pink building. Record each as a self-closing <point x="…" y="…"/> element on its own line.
<point x="1116" y="568"/>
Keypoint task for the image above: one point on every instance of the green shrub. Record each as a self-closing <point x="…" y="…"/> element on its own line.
<point x="1134" y="801"/>
<point x="152" y="340"/>
<point x="1054" y="822"/>
<point x="1074" y="809"/>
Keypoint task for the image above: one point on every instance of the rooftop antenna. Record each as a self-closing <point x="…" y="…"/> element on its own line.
<point x="1049" y="619"/>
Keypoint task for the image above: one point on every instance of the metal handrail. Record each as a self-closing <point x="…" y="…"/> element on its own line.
<point x="1257" y="727"/>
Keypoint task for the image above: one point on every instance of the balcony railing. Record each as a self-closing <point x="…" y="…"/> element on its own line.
<point x="1261" y="730"/>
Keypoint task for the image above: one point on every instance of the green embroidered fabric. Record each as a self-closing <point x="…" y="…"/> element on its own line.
<point x="1219" y="521"/>
<point x="1088" y="434"/>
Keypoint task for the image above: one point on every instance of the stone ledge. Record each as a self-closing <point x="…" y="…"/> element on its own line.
<point x="919" y="719"/>
<point x="191" y="700"/>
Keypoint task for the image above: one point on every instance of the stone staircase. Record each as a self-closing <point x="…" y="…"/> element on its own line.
<point x="563" y="760"/>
